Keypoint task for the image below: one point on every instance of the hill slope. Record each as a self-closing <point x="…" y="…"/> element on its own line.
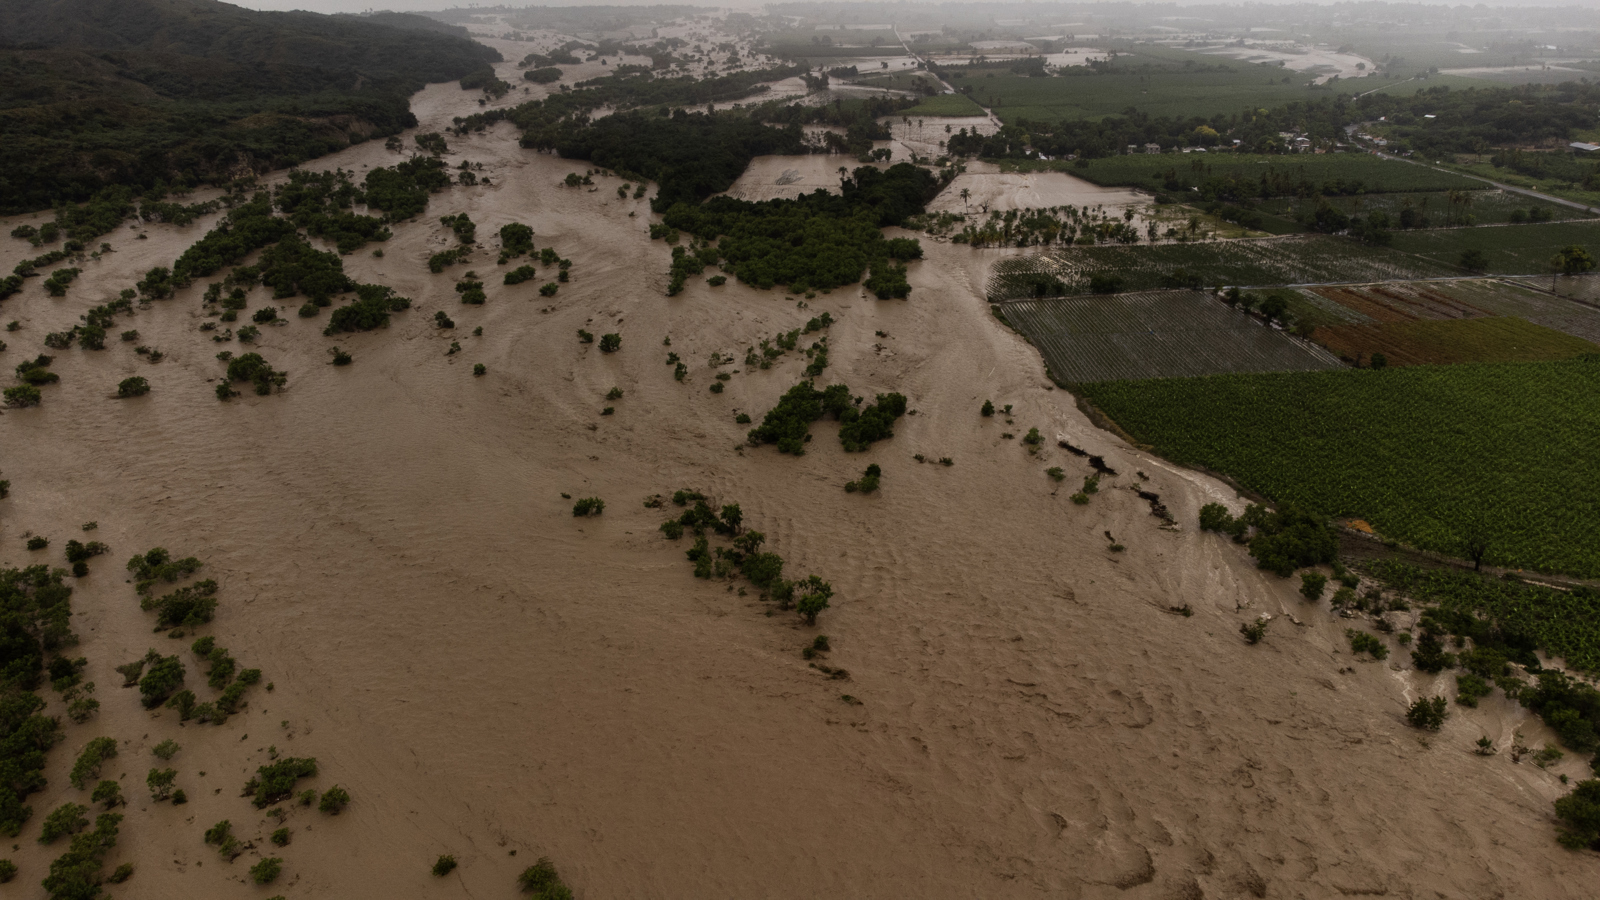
<point x="147" y="92"/>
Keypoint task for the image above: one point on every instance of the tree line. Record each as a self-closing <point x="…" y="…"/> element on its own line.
<point x="1462" y="121"/>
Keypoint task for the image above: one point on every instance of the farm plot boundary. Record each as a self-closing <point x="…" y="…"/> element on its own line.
<point x="1292" y="260"/>
<point x="1161" y="334"/>
<point x="1450" y="341"/>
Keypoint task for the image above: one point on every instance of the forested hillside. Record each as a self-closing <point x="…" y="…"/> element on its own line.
<point x="150" y="92"/>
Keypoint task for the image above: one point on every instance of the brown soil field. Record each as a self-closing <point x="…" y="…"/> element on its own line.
<point x="1401" y="303"/>
<point x="1443" y="341"/>
<point x="488" y="675"/>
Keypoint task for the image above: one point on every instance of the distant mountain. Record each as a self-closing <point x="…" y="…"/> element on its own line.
<point x="157" y="92"/>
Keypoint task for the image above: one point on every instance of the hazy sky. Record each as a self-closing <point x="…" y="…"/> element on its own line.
<point x="329" y="6"/>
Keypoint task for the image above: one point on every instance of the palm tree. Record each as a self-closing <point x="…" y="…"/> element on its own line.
<point x="964" y="195"/>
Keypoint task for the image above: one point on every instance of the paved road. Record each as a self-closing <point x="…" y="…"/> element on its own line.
<point x="1504" y="187"/>
<point x="947" y="86"/>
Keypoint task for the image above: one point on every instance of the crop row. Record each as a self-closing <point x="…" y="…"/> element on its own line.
<point x="1428" y="454"/>
<point x="1155" y="335"/>
<point x="1400" y="302"/>
<point x="1445" y="341"/>
<point x="1509" y="249"/>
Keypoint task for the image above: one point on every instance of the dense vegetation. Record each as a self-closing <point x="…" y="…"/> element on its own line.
<point x="690" y="155"/>
<point x="35" y="612"/>
<point x="816" y="242"/>
<point x="788" y="424"/>
<point x="1513" y="617"/>
<point x="1281" y="540"/>
<point x="1473" y="456"/>
<point x="147" y="94"/>
<point x="546" y="123"/>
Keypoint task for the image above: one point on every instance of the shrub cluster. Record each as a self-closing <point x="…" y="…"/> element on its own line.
<point x="788" y="424"/>
<point x="1362" y="642"/>
<point x="1579" y="813"/>
<point x="158" y="565"/>
<point x="438" y="262"/>
<point x="276" y="781"/>
<point x="809" y="596"/>
<point x="35" y="609"/>
<point x="267" y="870"/>
<point x="90" y="759"/>
<point x="320" y="203"/>
<point x="251" y="367"/>
<point x="293" y="267"/>
<point x="1281" y="541"/>
<point x="867" y="483"/>
<point x="466" y="232"/>
<point x="1254" y="631"/>
<point x="859" y="429"/>
<point x="56" y="284"/>
<point x="516" y="239"/>
<point x="163" y="676"/>
<point x="471" y="290"/>
<point x="249" y="227"/>
<point x="370" y="310"/>
<point x="1428" y="713"/>
<point x="541" y="882"/>
<point x="66" y="819"/>
<point x="402" y="190"/>
<point x="187" y="607"/>
<point x="25" y="737"/>
<point x="76" y="873"/>
<point x="79" y="552"/>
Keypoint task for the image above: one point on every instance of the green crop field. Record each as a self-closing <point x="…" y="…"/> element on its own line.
<point x="1511" y="249"/>
<point x="1159" y="93"/>
<point x="1301" y="259"/>
<point x="1411" y="86"/>
<point x="1487" y="207"/>
<point x="1425" y="454"/>
<point x="945" y="105"/>
<point x="1162" y="334"/>
<point x="1565" y="188"/>
<point x="1376" y="174"/>
<point x="894" y="81"/>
